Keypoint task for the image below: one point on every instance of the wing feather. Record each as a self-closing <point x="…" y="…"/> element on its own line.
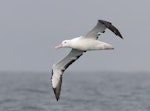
<point x="111" y="27"/>
<point x="100" y="28"/>
<point x="60" y="67"/>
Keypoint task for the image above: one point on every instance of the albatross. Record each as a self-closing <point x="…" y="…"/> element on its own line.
<point x="78" y="46"/>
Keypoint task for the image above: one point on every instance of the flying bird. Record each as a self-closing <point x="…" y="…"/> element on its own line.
<point x="78" y="46"/>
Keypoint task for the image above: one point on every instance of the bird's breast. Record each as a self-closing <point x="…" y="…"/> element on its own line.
<point x="85" y="44"/>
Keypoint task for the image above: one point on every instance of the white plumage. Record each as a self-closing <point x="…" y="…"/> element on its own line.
<point x="80" y="45"/>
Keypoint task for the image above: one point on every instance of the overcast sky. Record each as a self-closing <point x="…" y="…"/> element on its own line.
<point x="30" y="29"/>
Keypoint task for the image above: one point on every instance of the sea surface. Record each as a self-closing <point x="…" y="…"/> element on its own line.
<point x="92" y="91"/>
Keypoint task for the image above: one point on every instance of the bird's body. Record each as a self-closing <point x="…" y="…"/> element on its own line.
<point x="80" y="45"/>
<point x="86" y="44"/>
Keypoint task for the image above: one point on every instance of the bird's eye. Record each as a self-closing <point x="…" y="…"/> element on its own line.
<point x="65" y="42"/>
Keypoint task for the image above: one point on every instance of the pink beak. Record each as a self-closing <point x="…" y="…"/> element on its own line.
<point x="59" y="46"/>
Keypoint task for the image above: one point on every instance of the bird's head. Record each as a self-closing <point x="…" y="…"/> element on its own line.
<point x="64" y="43"/>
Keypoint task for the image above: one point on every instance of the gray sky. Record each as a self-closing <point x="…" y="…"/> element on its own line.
<point x="30" y="29"/>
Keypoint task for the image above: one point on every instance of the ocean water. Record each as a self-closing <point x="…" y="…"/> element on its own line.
<point x="93" y="91"/>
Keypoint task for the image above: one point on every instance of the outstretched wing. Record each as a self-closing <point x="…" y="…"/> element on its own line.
<point x="60" y="67"/>
<point x="101" y="27"/>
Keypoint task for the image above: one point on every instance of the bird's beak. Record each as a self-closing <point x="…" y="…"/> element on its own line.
<point x="59" y="46"/>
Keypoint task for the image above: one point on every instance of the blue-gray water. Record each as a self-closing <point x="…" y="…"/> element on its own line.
<point x="98" y="91"/>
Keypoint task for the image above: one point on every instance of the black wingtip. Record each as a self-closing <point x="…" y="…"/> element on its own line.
<point x="119" y="34"/>
<point x="56" y="94"/>
<point x="111" y="27"/>
<point x="57" y="99"/>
